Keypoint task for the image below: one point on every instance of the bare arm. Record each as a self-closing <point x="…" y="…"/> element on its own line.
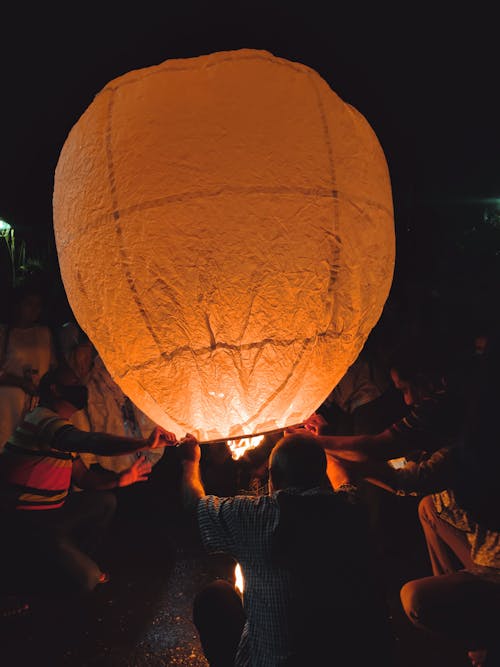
<point x="71" y="439"/>
<point x="429" y="476"/>
<point x="10" y="380"/>
<point x="192" y="486"/>
<point x="382" y="446"/>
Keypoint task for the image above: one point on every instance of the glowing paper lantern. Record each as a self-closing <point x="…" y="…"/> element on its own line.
<point x="225" y="234"/>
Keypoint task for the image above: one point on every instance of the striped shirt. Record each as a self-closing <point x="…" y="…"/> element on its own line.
<point x="33" y="474"/>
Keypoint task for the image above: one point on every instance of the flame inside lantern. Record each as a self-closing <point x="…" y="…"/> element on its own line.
<point x="239" y="447"/>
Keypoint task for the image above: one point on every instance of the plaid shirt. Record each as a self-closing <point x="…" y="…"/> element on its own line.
<point x="243" y="527"/>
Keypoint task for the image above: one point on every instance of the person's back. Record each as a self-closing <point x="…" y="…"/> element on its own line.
<point x="304" y="556"/>
<point x="322" y="541"/>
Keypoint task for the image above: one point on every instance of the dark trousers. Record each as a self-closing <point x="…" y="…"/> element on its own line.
<point x="455" y="602"/>
<point x="219" y="618"/>
<point x="50" y="551"/>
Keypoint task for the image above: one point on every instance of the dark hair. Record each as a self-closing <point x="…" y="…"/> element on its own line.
<point x="19" y="293"/>
<point x="298" y="460"/>
<point x="56" y="376"/>
<point x="424" y="365"/>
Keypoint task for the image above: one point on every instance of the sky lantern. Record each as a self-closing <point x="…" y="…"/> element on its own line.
<point x="225" y="234"/>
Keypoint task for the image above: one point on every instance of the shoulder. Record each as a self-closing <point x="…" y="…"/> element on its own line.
<point x="238" y="512"/>
<point x="47" y="421"/>
<point x="235" y="504"/>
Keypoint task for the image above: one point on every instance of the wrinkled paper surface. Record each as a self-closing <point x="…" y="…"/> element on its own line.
<point x="224" y="227"/>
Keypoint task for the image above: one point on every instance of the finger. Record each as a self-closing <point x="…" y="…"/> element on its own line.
<point x="138" y="462"/>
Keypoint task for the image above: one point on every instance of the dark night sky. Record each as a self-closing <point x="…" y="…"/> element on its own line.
<point x="427" y="83"/>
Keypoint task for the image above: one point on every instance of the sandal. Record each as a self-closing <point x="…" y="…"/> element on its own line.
<point x="104" y="578"/>
<point x="13" y="607"/>
<point x="478" y="657"/>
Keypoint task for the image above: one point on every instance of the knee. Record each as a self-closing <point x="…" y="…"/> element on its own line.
<point x="426" y="509"/>
<point x="412" y="596"/>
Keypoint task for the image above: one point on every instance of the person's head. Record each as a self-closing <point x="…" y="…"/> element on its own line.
<point x="297" y="460"/>
<point x="417" y="372"/>
<point x="27" y="305"/>
<point x="81" y="358"/>
<point x="61" y="391"/>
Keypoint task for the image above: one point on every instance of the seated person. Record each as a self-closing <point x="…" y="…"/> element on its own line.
<point x="305" y="558"/>
<point x="435" y="413"/>
<point x="108" y="410"/>
<point x="363" y="401"/>
<point x="46" y="527"/>
<point x="461" y="523"/>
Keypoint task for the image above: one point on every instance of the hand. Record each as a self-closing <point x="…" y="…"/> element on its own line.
<point x="316" y="423"/>
<point x="291" y="430"/>
<point x="138" y="472"/>
<point x="189" y="449"/>
<point x="159" y="437"/>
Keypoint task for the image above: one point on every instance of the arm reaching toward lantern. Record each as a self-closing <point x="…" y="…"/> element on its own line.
<point x="350" y="471"/>
<point x="429" y="476"/>
<point x="10" y="380"/>
<point x="386" y="445"/>
<point x="71" y="439"/>
<point x="192" y="486"/>
<point x="382" y="446"/>
<point x="359" y="447"/>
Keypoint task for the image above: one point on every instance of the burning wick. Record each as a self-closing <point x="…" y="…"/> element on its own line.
<point x="239" y="581"/>
<point x="239" y="447"/>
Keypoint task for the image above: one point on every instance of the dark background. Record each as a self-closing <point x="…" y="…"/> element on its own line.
<point x="426" y="81"/>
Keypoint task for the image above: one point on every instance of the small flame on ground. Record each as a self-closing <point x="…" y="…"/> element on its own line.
<point x="238" y="576"/>
<point x="239" y="447"/>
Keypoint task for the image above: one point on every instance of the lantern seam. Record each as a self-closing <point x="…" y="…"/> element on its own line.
<point x="335" y="248"/>
<point x="119" y="236"/>
<point x="186" y="196"/>
<point x="169" y="356"/>
<point x="116" y="217"/>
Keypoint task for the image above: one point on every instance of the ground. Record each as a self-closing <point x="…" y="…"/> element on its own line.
<point x="142" y="617"/>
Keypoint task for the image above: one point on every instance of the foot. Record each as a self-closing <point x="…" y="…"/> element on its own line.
<point x="104" y="578"/>
<point x="478" y="657"/>
<point x="12" y="606"/>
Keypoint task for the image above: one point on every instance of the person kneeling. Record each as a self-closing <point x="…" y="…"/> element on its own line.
<point x="309" y="589"/>
<point x="50" y="532"/>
